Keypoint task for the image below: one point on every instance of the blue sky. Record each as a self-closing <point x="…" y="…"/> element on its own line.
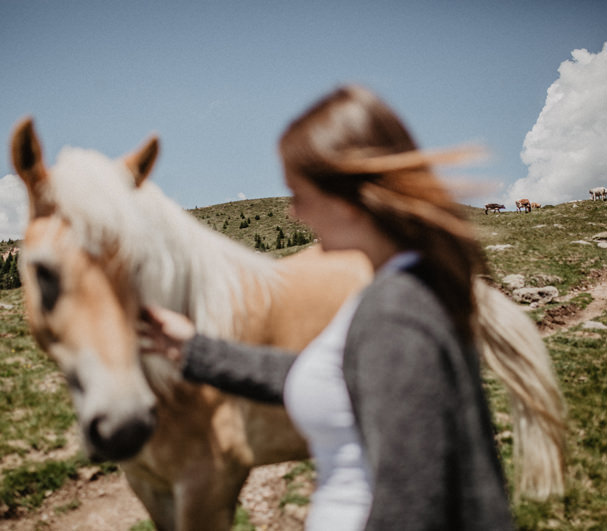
<point x="218" y="81"/>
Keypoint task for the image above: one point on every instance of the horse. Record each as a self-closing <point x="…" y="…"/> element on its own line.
<point x="494" y="207"/>
<point x="103" y="242"/>
<point x="600" y="192"/>
<point x="523" y="204"/>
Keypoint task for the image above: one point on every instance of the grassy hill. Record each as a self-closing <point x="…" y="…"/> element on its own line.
<point x="546" y="241"/>
<point x="262" y="224"/>
<point x="554" y="245"/>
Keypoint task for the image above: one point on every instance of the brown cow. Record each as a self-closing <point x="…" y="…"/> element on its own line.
<point x="494" y="207"/>
<point x="523" y="203"/>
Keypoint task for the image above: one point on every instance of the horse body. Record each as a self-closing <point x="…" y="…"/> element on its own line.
<point x="103" y="242"/>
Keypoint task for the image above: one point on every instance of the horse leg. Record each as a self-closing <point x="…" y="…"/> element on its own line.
<point x="156" y="497"/>
<point x="206" y="500"/>
<point x="203" y="500"/>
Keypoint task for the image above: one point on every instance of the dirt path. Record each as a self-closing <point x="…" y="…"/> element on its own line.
<point x="105" y="503"/>
<point x="569" y="315"/>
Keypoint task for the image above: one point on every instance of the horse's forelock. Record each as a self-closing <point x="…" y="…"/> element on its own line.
<point x="93" y="193"/>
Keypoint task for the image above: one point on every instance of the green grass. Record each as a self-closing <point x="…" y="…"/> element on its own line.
<point x="27" y="486"/>
<point x="144" y="525"/>
<point x="296" y="479"/>
<point x="241" y="520"/>
<point x="580" y="360"/>
<point x="35" y="409"/>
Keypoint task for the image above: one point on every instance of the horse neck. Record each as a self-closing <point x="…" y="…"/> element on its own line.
<point x="196" y="271"/>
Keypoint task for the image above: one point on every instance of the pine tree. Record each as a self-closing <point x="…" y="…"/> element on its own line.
<point x="14" y="281"/>
<point x="6" y="264"/>
<point x="280" y="238"/>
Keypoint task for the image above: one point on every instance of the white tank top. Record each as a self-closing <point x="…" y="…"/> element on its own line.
<point x="317" y="400"/>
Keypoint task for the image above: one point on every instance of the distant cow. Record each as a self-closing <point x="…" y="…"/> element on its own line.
<point x="523" y="203"/>
<point x="536" y="205"/>
<point x="494" y="207"/>
<point x="600" y="192"/>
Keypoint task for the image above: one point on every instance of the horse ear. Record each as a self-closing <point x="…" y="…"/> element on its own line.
<point x="27" y="153"/>
<point x="142" y="161"/>
<point x="27" y="160"/>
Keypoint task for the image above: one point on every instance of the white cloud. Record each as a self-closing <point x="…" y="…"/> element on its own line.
<point x="13" y="208"/>
<point x="241" y="196"/>
<point x="565" y="151"/>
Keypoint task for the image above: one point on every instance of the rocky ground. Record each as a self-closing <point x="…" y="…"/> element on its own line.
<point x="98" y="502"/>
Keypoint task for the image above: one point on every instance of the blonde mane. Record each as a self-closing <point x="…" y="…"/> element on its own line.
<point x="172" y="259"/>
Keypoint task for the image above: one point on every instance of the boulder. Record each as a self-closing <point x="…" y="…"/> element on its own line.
<point x="514" y="281"/>
<point x="498" y="247"/>
<point x="540" y="296"/>
<point x="594" y="325"/>
<point x="600" y="239"/>
<point x="543" y="279"/>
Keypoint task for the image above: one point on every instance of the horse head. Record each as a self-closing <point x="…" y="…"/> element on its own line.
<point x="79" y="302"/>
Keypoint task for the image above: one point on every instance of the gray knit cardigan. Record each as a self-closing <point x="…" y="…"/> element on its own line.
<point x="418" y="401"/>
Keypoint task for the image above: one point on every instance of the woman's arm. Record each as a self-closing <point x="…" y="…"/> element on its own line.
<point x="256" y="372"/>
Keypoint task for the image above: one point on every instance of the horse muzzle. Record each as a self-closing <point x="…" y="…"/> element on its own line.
<point x="107" y="441"/>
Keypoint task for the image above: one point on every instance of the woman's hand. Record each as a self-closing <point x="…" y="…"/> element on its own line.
<point x="164" y="332"/>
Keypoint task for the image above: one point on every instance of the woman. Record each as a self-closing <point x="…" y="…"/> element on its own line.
<point x="389" y="396"/>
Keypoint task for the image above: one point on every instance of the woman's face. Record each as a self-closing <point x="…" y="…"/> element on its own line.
<point x="331" y="218"/>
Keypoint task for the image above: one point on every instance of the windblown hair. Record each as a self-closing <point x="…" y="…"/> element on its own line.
<point x="352" y="145"/>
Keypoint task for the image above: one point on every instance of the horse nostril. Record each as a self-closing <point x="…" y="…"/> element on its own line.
<point x="93" y="432"/>
<point x="121" y="441"/>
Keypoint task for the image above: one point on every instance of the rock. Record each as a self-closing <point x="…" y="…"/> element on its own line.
<point x="600" y="239"/>
<point x="542" y="279"/>
<point x="514" y="281"/>
<point x="582" y="242"/>
<point x="4" y="306"/>
<point x="542" y="295"/>
<point x="498" y="247"/>
<point x="594" y="325"/>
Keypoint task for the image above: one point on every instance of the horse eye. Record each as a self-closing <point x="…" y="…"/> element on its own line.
<point x="49" y="284"/>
